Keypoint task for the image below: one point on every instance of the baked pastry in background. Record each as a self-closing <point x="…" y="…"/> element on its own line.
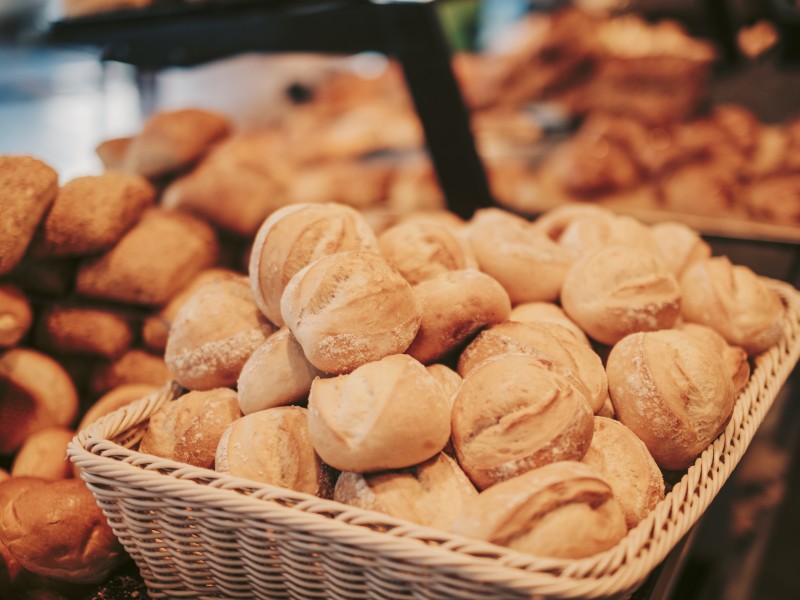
<point x="44" y="454"/>
<point x="15" y="315"/>
<point x="82" y="330"/>
<point x="135" y="366"/>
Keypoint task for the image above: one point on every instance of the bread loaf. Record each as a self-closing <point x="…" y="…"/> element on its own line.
<point x="679" y="246"/>
<point x="44" y="454"/>
<point x="82" y="330"/>
<point x="15" y="315"/>
<point x="547" y="312"/>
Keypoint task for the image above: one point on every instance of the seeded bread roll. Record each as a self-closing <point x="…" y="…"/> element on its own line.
<point x="512" y="414"/>
<point x="602" y="230"/>
<point x="563" y="510"/>
<point x="28" y="189"/>
<point x="618" y="290"/>
<point x="189" y="428"/>
<point x="44" y="454"/>
<point x="295" y="236"/>
<point x="735" y="358"/>
<point x="431" y="493"/>
<point x="679" y="246"/>
<point x="15" y="315"/>
<point x="734" y="302"/>
<point x="625" y="463"/>
<point x="135" y="366"/>
<point x="548" y="342"/>
<point x="81" y="330"/>
<point x="672" y="391"/>
<point x="547" y="312"/>
<point x="387" y="414"/>
<point x="35" y="392"/>
<point x="91" y="214"/>
<point x="348" y="309"/>
<point x="276" y="374"/>
<point x="529" y="265"/>
<point x="454" y="305"/>
<point x="447" y="378"/>
<point x="273" y="446"/>
<point x="115" y="399"/>
<point x="152" y="262"/>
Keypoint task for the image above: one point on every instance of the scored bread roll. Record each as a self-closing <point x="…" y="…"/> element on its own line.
<point x="15" y="315"/>
<point x="387" y="414"/>
<point x="563" y="510"/>
<point x="673" y="391"/>
<point x="511" y="414"/>
<point x="548" y="342"/>
<point x="276" y="374"/>
<point x="82" y="330"/>
<point x="295" y="236"/>
<point x="115" y="399"/>
<point x="348" y="309"/>
<point x="273" y="446"/>
<point x="532" y="312"/>
<point x="614" y="291"/>
<point x="214" y="334"/>
<point x="44" y="454"/>
<point x="554" y="222"/>
<point x="679" y="245"/>
<point x="454" y="305"/>
<point x="625" y="463"/>
<point x="447" y="378"/>
<point x="431" y="493"/>
<point x="601" y="230"/>
<point x="135" y="366"/>
<point x="735" y="358"/>
<point x="734" y="302"/>
<point x="189" y="429"/>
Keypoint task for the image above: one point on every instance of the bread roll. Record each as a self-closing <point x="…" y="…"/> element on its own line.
<point x="115" y="399"/>
<point x="618" y="290"/>
<point x="624" y="462"/>
<point x="601" y="230"/>
<point x="135" y="366"/>
<point x="91" y="214"/>
<point x="387" y="414"/>
<point x="679" y="246"/>
<point x="547" y="312"/>
<point x="295" y="236"/>
<point x="189" y="428"/>
<point x="431" y="493"/>
<point x="555" y="221"/>
<point x="512" y="414"/>
<point x="548" y="342"/>
<point x="563" y="510"/>
<point x="112" y="152"/>
<point x="56" y="529"/>
<point x="35" y="393"/>
<point x="735" y="358"/>
<point x="357" y="183"/>
<point x="529" y="265"/>
<point x="733" y="301"/>
<point x="454" y="305"/>
<point x="447" y="378"/>
<point x="15" y="315"/>
<point x="29" y="188"/>
<point x="44" y="454"/>
<point x="672" y="391"/>
<point x="348" y="309"/>
<point x="214" y="334"/>
<point x="82" y="330"/>
<point x="276" y="374"/>
<point x="273" y="446"/>
<point x="152" y="262"/>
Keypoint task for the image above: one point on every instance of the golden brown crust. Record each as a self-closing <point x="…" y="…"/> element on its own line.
<point x="547" y="312"/>
<point x="135" y="366"/>
<point x="44" y="454"/>
<point x="15" y="315"/>
<point x="679" y="246"/>
<point x="81" y="330"/>
<point x="735" y="358"/>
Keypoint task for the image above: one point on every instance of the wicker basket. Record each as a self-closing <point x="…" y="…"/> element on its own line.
<point x="195" y="533"/>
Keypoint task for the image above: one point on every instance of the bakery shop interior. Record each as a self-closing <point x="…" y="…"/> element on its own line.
<point x="399" y="299"/>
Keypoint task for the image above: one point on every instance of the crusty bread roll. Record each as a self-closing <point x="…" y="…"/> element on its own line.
<point x="601" y="230"/>
<point x="679" y="246"/>
<point x="35" y="393"/>
<point x="512" y="414"/>
<point x="614" y="291"/>
<point x="29" y="188"/>
<point x="625" y="463"/>
<point x="387" y="414"/>
<point x="44" y="454"/>
<point x="733" y="301"/>
<point x="735" y="358"/>
<point x="189" y="429"/>
<point x="564" y="510"/>
<point x="91" y="214"/>
<point x="547" y="312"/>
<point x="454" y="305"/>
<point x="56" y="529"/>
<point x="112" y="152"/>
<point x="115" y="399"/>
<point x="672" y="391"/>
<point x="273" y="446"/>
<point x="214" y="334"/>
<point x="555" y="221"/>
<point x="82" y="330"/>
<point x="447" y="378"/>
<point x="348" y="309"/>
<point x="295" y="236"/>
<point x="135" y="366"/>
<point x="431" y="493"/>
<point x="152" y="262"/>
<point x="548" y="342"/>
<point x="529" y="265"/>
<point x="15" y="315"/>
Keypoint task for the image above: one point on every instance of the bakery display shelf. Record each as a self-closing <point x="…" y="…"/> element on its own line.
<point x="196" y="533"/>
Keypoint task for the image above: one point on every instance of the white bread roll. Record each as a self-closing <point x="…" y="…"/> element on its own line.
<point x="679" y="245"/>
<point x="296" y="235"/>
<point x="562" y="510"/>
<point x="601" y="230"/>
<point x="430" y="493"/>
<point x="348" y="309"/>
<point x="734" y="302"/>
<point x="44" y="454"/>
<point x="511" y="414"/>
<point x="735" y="358"/>
<point x="388" y="414"/>
<point x="454" y="305"/>
<point x="532" y="312"/>
<point x="618" y="290"/>
<point x="625" y="463"/>
<point x="672" y="391"/>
